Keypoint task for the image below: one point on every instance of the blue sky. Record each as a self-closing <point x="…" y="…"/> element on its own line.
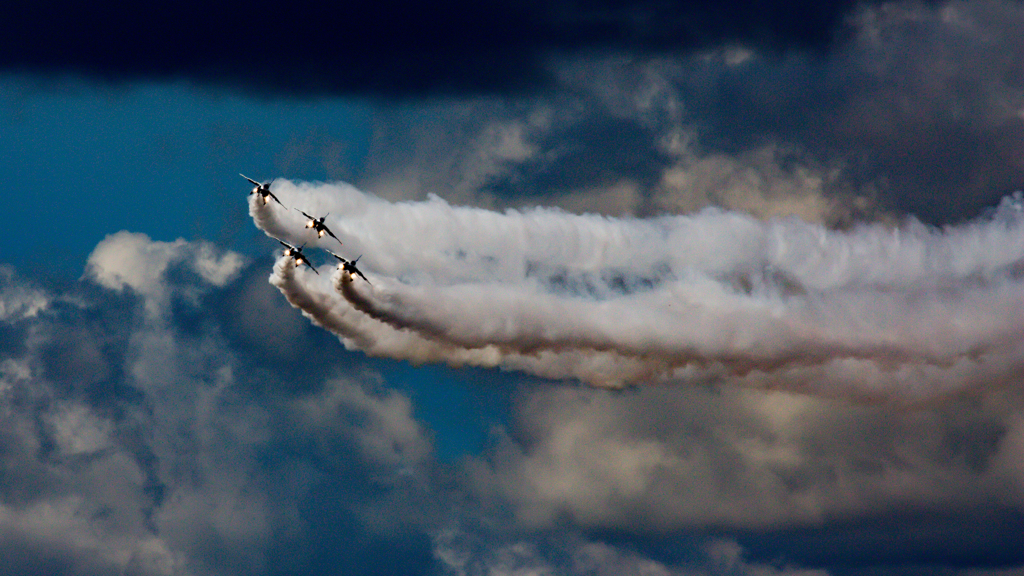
<point x="162" y="159"/>
<point x="657" y="288"/>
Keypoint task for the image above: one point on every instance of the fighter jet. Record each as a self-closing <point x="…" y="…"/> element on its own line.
<point x="349" y="265"/>
<point x="297" y="255"/>
<point x="318" y="225"/>
<point x="262" y="189"/>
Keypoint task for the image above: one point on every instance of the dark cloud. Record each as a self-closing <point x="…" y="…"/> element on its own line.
<point x="392" y="47"/>
<point x="917" y="113"/>
<point x="593" y="152"/>
<point x="925" y="104"/>
<point x="30" y="556"/>
<point x="987" y="538"/>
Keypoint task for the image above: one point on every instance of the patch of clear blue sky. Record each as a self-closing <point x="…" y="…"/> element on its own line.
<point x="82" y="161"/>
<point x="461" y="407"/>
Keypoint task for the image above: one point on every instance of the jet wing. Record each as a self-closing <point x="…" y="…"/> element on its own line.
<point x="271" y="194"/>
<point x="249" y="179"/>
<point x="335" y="255"/>
<point x="331" y="234"/>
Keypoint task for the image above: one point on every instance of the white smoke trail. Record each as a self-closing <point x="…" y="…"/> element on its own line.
<point x="782" y="304"/>
<point x="358" y="331"/>
<point x="326" y="308"/>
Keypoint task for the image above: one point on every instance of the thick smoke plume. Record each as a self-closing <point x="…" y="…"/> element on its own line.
<point x="899" y="314"/>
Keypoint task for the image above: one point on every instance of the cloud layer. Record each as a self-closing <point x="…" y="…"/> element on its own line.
<point x="388" y="47"/>
<point x="917" y="112"/>
<point x="763" y="212"/>
<point x="168" y="418"/>
<point x="135" y="441"/>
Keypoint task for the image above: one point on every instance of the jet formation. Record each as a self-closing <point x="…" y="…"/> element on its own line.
<point x="318" y="226"/>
